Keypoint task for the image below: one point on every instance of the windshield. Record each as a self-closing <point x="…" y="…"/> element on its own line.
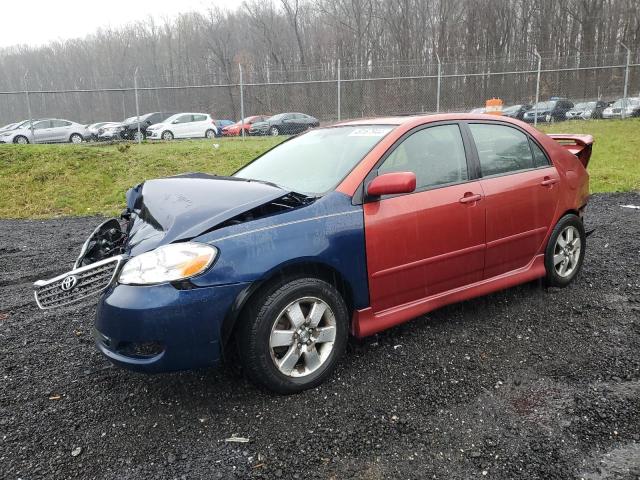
<point x="317" y="161"/>
<point x="512" y="109"/>
<point x="585" y="106"/>
<point x="544" y="106"/>
<point x="630" y="102"/>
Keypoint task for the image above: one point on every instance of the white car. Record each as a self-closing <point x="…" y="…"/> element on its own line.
<point x="631" y="106"/>
<point x="50" y="130"/>
<point x="183" y="125"/>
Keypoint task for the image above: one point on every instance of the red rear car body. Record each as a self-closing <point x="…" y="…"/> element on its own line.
<point x="434" y="247"/>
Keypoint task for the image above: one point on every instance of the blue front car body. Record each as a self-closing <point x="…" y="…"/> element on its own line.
<point x="187" y="325"/>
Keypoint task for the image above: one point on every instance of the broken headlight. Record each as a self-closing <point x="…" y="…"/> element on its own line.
<point x="168" y="263"/>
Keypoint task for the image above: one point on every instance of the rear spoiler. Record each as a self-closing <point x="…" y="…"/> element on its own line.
<point x="579" y="145"/>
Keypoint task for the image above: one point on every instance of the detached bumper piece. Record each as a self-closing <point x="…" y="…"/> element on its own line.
<point x="76" y="285"/>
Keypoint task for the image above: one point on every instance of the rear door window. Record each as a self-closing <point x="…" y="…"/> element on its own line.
<point x="435" y="154"/>
<point x="540" y="159"/>
<point x="501" y="149"/>
<point x="199" y="118"/>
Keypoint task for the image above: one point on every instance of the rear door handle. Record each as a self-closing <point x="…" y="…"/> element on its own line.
<point x="471" y="198"/>
<point x="548" y="181"/>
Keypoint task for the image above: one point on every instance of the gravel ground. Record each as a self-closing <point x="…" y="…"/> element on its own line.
<point x="526" y="383"/>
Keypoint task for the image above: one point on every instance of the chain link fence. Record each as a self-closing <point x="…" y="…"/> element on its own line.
<point x="333" y="91"/>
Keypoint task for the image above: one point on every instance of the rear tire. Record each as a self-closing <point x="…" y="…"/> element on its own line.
<point x="274" y="131"/>
<point x="210" y="134"/>
<point x="168" y="136"/>
<point x="565" y="251"/>
<point x="292" y="334"/>
<point x="138" y="136"/>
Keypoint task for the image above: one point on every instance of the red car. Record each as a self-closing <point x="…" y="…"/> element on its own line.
<point x="236" y="129"/>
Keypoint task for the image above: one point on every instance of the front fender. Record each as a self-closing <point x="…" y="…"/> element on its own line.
<point x="329" y="232"/>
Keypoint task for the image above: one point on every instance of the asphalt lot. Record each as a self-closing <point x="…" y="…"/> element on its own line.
<point x="527" y="383"/>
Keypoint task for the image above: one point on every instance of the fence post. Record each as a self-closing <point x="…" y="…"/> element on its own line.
<point x="626" y="81"/>
<point x="135" y="87"/>
<point x="26" y="92"/>
<point x="339" y="93"/>
<point x="535" y="111"/>
<point x="241" y="102"/>
<point x="438" y="88"/>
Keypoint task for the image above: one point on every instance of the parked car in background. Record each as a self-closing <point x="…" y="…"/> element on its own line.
<point x="52" y="130"/>
<point x="586" y="110"/>
<point x="110" y="131"/>
<point x="236" y="128"/>
<point x="629" y="107"/>
<point x="220" y="124"/>
<point x="478" y="110"/>
<point x="350" y="229"/>
<point x="183" y="125"/>
<point x="130" y="130"/>
<point x="284" y="124"/>
<point x="94" y="128"/>
<point x="550" y="110"/>
<point x="516" y="111"/>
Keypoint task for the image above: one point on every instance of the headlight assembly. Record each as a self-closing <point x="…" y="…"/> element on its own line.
<point x="168" y="263"/>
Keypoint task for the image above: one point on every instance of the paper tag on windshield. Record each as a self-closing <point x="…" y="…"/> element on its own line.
<point x="369" y="132"/>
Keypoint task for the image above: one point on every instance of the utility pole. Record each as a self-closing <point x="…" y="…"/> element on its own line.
<point x="339" y="92"/>
<point x="135" y="86"/>
<point x="626" y="82"/>
<point x="535" y="112"/>
<point x="241" y="102"/>
<point x="26" y="92"/>
<point x="438" y="88"/>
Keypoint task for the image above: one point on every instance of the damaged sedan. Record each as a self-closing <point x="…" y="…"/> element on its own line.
<point x="343" y="230"/>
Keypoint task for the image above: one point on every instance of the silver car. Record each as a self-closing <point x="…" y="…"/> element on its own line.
<point x="51" y="130"/>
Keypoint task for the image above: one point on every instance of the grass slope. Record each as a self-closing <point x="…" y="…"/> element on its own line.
<point x="615" y="162"/>
<point x="38" y="181"/>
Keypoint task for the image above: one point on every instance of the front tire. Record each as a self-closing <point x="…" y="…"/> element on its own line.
<point x="76" y="138"/>
<point x="274" y="131"/>
<point x="21" y="140"/>
<point x="168" y="136"/>
<point x="292" y="335"/>
<point x="565" y="251"/>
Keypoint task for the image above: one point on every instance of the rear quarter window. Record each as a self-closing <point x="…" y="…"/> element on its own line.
<point x="501" y="149"/>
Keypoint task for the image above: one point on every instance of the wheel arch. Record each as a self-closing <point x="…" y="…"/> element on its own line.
<point x="311" y="268"/>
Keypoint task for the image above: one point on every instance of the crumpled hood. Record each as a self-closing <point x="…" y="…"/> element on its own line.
<point x="185" y="206"/>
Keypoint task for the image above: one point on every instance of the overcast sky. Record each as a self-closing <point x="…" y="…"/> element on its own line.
<point x="37" y="22"/>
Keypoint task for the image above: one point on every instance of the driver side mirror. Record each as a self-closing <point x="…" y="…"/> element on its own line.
<point x="392" y="184"/>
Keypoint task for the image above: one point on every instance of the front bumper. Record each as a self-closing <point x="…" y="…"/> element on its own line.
<point x="161" y="328"/>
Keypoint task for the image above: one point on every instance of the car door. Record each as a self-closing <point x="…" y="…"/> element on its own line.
<point x="432" y="240"/>
<point x="200" y="125"/>
<point x="521" y="195"/>
<point x="60" y="130"/>
<point x="42" y="131"/>
<point x="182" y="126"/>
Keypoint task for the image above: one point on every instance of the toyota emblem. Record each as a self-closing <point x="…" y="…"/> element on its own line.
<point x="69" y="282"/>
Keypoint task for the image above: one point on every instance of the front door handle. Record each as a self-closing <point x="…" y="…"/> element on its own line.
<point x="470" y="197"/>
<point x="548" y="181"/>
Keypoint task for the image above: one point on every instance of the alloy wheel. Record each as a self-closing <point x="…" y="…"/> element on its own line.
<point x="302" y="337"/>
<point x="567" y="251"/>
<point x="274" y="131"/>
